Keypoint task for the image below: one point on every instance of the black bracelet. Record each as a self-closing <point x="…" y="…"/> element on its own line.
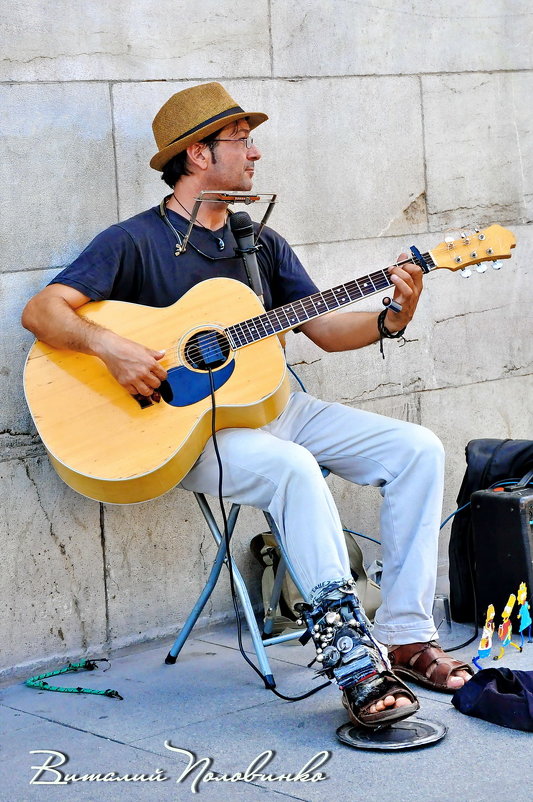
<point x="384" y="332"/>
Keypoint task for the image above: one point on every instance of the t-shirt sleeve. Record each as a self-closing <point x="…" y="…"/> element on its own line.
<point x="105" y="269"/>
<point x="289" y="280"/>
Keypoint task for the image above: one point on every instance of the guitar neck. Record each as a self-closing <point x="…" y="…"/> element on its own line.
<point x="290" y="316"/>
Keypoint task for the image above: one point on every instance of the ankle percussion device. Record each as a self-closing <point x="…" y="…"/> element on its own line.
<point x="340" y="630"/>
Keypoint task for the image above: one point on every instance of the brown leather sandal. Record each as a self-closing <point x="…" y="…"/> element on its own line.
<point x="427" y="664"/>
<point x="358" y="699"/>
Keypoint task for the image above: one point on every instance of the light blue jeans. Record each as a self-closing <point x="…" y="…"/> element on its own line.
<point x="276" y="468"/>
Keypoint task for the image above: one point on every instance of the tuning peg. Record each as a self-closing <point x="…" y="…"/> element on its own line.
<point x="465" y="272"/>
<point x="498" y="264"/>
<point x="481" y="267"/>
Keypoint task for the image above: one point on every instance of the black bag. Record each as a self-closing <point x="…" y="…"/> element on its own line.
<point x="488" y="461"/>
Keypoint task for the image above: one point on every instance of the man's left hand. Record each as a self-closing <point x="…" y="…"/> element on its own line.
<point x="407" y="280"/>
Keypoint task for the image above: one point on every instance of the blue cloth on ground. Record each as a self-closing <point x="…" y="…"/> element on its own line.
<point x="500" y="696"/>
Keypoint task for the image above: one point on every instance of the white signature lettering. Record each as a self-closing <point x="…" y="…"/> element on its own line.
<point x="50" y="769"/>
<point x="253" y="773"/>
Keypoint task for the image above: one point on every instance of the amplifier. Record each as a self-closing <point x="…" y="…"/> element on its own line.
<point x="502" y="530"/>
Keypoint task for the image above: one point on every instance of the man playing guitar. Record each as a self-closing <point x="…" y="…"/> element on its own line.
<point x="204" y="143"/>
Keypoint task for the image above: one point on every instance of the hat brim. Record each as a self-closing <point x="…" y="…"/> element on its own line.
<point x="163" y="156"/>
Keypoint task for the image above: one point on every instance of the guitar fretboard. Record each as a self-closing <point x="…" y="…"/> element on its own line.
<point x="289" y="316"/>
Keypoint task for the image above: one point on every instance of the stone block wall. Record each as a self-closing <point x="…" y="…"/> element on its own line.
<point x="388" y="127"/>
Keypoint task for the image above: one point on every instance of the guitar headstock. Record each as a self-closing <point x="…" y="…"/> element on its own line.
<point x="473" y="248"/>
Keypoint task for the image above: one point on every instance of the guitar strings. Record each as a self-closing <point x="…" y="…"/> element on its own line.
<point x="212" y="340"/>
<point x="307" y="304"/>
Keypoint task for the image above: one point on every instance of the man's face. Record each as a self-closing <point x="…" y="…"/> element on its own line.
<point x="233" y="164"/>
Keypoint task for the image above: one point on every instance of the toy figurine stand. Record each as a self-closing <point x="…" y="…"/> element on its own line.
<point x="411" y="733"/>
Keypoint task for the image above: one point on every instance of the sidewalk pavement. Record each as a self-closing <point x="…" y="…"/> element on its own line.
<point x="212" y="705"/>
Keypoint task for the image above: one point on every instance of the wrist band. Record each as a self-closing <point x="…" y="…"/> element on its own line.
<point x="384" y="332"/>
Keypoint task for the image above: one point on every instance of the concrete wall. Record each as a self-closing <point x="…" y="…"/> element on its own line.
<point x="388" y="127"/>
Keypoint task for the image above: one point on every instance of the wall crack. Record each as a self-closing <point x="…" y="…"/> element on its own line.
<point x="64" y="553"/>
<point x="473" y="312"/>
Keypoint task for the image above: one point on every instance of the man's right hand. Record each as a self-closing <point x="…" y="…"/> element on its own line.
<point x="133" y="365"/>
<point x="51" y="316"/>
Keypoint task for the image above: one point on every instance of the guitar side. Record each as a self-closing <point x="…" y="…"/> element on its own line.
<point x="102" y="443"/>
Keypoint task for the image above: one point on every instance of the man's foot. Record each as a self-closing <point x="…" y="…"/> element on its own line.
<point x="348" y="654"/>
<point x="391" y="702"/>
<point x="379" y="702"/>
<point x="428" y="665"/>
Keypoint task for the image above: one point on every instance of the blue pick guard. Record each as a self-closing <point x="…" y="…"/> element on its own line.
<point x="188" y="386"/>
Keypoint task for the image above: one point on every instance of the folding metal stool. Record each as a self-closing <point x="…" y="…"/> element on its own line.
<point x="260" y="640"/>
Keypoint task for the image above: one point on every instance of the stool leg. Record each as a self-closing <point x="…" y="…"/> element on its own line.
<point x="172" y="656"/>
<point x="257" y="641"/>
<point x="240" y="587"/>
<point x="213" y="575"/>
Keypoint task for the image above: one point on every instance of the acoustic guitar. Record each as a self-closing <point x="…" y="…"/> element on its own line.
<point x="117" y="448"/>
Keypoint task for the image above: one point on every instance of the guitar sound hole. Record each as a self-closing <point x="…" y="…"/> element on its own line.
<point x="207" y="350"/>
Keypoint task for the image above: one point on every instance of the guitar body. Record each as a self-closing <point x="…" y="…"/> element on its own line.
<point x="103" y="443"/>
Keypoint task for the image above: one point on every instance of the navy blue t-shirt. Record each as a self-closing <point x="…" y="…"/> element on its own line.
<point x="135" y="261"/>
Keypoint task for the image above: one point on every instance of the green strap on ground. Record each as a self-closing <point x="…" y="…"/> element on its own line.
<point x="86" y="665"/>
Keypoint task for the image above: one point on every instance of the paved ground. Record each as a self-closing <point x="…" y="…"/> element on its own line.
<point x="211" y="704"/>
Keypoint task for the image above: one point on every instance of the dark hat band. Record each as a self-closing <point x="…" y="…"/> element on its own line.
<point x="205" y="123"/>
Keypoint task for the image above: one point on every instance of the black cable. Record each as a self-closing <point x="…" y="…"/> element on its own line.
<point x="230" y="566"/>
<point x="472" y="580"/>
<point x="469" y="547"/>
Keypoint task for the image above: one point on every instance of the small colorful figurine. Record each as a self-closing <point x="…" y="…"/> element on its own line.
<point x="505" y="630"/>
<point x="524" y="615"/>
<point x="485" y="644"/>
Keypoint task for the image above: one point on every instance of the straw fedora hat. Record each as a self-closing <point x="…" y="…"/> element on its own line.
<point x="191" y="115"/>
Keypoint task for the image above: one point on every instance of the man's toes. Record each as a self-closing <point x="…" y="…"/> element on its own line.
<point x="389" y="701"/>
<point x="455" y="681"/>
<point x="380" y="705"/>
<point x="402" y="701"/>
<point x="458" y="679"/>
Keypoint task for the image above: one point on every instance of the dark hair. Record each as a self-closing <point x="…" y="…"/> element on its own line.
<point x="178" y="167"/>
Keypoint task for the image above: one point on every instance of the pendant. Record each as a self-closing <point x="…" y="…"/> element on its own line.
<point x="221" y="244"/>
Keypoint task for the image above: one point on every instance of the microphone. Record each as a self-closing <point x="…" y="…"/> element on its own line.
<point x="243" y="231"/>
